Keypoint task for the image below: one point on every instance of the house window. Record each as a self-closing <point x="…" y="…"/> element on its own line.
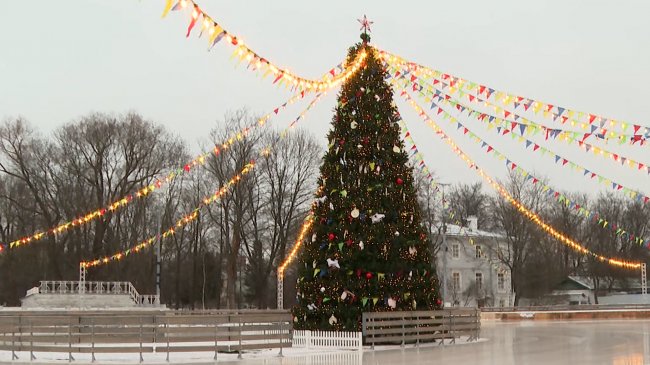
<point x="479" y="253"/>
<point x="455" y="281"/>
<point x="455" y="250"/>
<point x="501" y="281"/>
<point x="502" y="302"/>
<point x="479" y="281"/>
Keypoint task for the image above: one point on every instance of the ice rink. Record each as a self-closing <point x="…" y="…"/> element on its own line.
<point x="615" y="342"/>
<point x="526" y="342"/>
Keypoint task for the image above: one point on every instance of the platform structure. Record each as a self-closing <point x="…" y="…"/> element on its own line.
<point x="87" y="294"/>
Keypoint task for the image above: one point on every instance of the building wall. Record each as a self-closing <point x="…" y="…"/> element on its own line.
<point x="77" y="301"/>
<point x="467" y="265"/>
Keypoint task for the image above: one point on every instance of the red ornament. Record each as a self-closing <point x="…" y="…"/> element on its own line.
<point x="400" y="181"/>
<point x="341" y="141"/>
<point x="349" y="242"/>
<point x="331" y="236"/>
<point x="359" y="273"/>
<point x="438" y="302"/>
<point x="368" y="275"/>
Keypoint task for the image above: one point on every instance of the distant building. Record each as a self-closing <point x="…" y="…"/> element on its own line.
<point x="580" y="290"/>
<point x="469" y="265"/>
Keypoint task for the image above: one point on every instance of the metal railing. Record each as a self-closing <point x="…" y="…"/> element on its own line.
<point x="583" y="307"/>
<point x="161" y="332"/>
<point x="97" y="287"/>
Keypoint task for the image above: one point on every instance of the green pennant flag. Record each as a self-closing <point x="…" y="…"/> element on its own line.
<point x="374" y="301"/>
<point x="326" y="299"/>
<point x="340" y="246"/>
<point x="364" y="301"/>
<point x="316" y="271"/>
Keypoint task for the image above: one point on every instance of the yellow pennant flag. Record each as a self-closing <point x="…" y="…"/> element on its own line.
<point x="168" y="6"/>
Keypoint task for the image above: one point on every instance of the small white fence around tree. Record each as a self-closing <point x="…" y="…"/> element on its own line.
<point x="328" y="339"/>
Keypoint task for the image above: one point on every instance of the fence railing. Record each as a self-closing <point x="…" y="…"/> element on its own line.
<point x="582" y="307"/>
<point x="328" y="339"/>
<point x="163" y="332"/>
<point x="96" y="287"/>
<point x="401" y="327"/>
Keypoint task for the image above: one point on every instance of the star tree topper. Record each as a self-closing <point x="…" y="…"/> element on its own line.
<point x="365" y="24"/>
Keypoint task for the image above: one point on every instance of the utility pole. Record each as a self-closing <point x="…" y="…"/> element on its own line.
<point x="158" y="259"/>
<point x="444" y="246"/>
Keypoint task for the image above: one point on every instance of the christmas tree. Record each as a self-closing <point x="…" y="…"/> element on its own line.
<point x="367" y="250"/>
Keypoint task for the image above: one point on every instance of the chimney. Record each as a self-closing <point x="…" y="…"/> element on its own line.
<point x="472" y="223"/>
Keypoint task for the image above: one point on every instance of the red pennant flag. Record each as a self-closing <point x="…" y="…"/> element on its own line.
<point x="513" y="125"/>
<point x="278" y="77"/>
<point x="535" y="147"/>
<point x="619" y="187"/>
<point x="489" y="148"/>
<point x="471" y="97"/>
<point x="556" y="194"/>
<point x="549" y="107"/>
<point x="645" y="199"/>
<point x="505" y="131"/>
<point x="591" y="118"/>
<point x="535" y="180"/>
<point x="564" y="119"/>
<point x="407" y="134"/>
<point x="564" y="161"/>
<point x="593" y="175"/>
<point x="413" y="78"/>
<point x="436" y="81"/>
<point x="481" y="89"/>
<point x="465" y="130"/>
<point x="439" y="110"/>
<point x="506" y="113"/>
<point x="276" y="110"/>
<point x="641" y="165"/>
<point x="514" y="165"/>
<point x="615" y="156"/>
<point x="195" y="15"/>
<point x="187" y="167"/>
<point x="636" y="128"/>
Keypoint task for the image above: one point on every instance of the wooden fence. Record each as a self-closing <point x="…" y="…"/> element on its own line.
<point x="401" y="327"/>
<point x="162" y="332"/>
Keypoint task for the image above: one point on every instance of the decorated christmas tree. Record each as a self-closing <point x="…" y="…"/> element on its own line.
<point x="367" y="250"/>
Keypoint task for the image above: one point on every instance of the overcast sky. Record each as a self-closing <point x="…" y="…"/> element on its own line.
<point x="63" y="59"/>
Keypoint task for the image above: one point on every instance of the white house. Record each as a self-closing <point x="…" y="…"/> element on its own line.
<point x="469" y="270"/>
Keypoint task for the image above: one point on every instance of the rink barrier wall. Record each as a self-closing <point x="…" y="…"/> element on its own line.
<point x="164" y="332"/>
<point x="402" y="327"/>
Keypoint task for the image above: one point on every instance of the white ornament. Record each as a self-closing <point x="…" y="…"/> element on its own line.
<point x="355" y="213"/>
<point x="396" y="233"/>
<point x="412" y="250"/>
<point x="415" y="304"/>
<point x="344" y="295"/>
<point x="322" y="199"/>
<point x="361" y="245"/>
<point x="410" y="274"/>
<point x="377" y="217"/>
<point x="311" y="307"/>
<point x="313" y="237"/>
<point x="331" y="206"/>
<point x="322" y="289"/>
<point x="396" y="149"/>
<point x="392" y="303"/>
<point x="333" y="320"/>
<point x="333" y="263"/>
<point x="353" y="125"/>
<point x="359" y="146"/>
<point x="295" y="319"/>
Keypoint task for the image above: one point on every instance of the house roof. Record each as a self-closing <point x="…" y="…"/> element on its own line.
<point x="456" y="230"/>
<point x="574" y="283"/>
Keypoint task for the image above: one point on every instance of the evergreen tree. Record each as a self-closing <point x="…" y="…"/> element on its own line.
<point x="367" y="250"/>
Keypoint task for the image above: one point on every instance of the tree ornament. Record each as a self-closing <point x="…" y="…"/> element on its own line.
<point x="396" y="149"/>
<point x="412" y="250"/>
<point x="322" y="289"/>
<point x="377" y="217"/>
<point x="368" y="275"/>
<point x="355" y="213"/>
<point x="313" y="237"/>
<point x="399" y="181"/>
<point x="331" y="236"/>
<point x="392" y="303"/>
<point x="332" y="321"/>
<point x="344" y="295"/>
<point x="396" y="233"/>
<point x="361" y="245"/>
<point x="353" y="125"/>
<point x="333" y="263"/>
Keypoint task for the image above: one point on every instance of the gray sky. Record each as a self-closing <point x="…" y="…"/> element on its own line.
<point x="62" y="59"/>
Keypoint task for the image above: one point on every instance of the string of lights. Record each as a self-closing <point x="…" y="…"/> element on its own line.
<point x="154" y="186"/>
<point x="194" y="214"/>
<point x="506" y="195"/>
<point x="281" y="76"/>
